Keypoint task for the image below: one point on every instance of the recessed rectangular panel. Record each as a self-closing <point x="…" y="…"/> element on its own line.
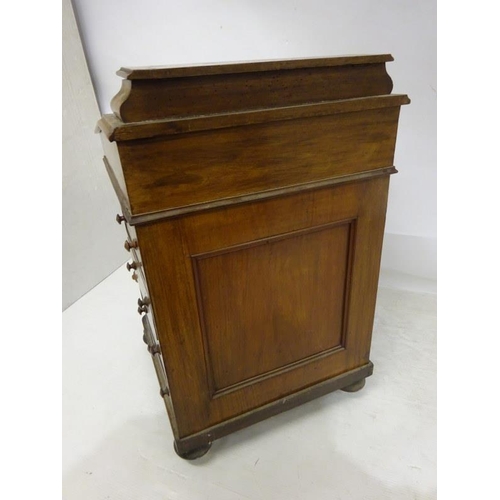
<point x="190" y="262"/>
<point x="270" y="304"/>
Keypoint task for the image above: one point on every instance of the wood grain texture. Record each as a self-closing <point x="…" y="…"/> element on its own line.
<point x="259" y="288"/>
<point x="171" y="280"/>
<point x="271" y="193"/>
<point x="258" y="194"/>
<point x="231" y="425"/>
<point x="152" y="72"/>
<point x="185" y="170"/>
<point x="116" y="130"/>
<point x="156" y="99"/>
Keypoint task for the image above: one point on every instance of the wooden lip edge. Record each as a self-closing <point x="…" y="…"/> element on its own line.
<point x="206" y="69"/>
<point x="217" y="431"/>
<point x="134" y="220"/>
<point x="116" y="130"/>
<point x="122" y="198"/>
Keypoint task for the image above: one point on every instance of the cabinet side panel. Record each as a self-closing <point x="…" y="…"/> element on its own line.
<point x="367" y="255"/>
<point x="341" y="259"/>
<point x="193" y="168"/>
<point x="173" y="301"/>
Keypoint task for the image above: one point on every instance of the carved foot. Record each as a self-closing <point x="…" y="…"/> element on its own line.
<point x="357" y="386"/>
<point x="194" y="453"/>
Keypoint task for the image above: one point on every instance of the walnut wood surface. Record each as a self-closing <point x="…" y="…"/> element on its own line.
<point x="152" y="72"/>
<point x="259" y="285"/>
<point x="156" y="93"/>
<point x="188" y="169"/>
<point x="171" y="279"/>
<point x="231" y="425"/>
<point x="155" y="99"/>
<point x="258" y="192"/>
<point x="116" y="130"/>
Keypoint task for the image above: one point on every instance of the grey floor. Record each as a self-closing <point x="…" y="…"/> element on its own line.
<point x="379" y="443"/>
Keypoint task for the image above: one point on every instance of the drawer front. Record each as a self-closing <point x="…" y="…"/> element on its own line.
<point x="258" y="301"/>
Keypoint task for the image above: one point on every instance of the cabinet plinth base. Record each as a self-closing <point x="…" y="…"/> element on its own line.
<point x="197" y="445"/>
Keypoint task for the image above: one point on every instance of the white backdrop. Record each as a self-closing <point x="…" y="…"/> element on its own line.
<point x="92" y="241"/>
<point x="153" y="32"/>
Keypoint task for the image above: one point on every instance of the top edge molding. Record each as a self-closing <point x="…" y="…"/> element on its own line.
<point x="160" y="72"/>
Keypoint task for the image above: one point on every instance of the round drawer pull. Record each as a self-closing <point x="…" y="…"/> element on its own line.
<point x="143" y="302"/>
<point x="131" y="266"/>
<point x="130" y="244"/>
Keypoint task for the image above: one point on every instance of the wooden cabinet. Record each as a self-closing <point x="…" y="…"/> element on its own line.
<point x="254" y="197"/>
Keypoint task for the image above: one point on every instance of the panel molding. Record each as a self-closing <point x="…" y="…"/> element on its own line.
<point x="216" y="392"/>
<point x="277" y="371"/>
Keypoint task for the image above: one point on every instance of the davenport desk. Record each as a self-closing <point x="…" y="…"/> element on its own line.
<point x="254" y="198"/>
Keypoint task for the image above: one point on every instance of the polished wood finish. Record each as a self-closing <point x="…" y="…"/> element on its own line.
<point x="153" y="94"/>
<point x="254" y="197"/>
<point x="272" y="268"/>
<point x="207" y="436"/>
<point x="160" y="72"/>
<point x="233" y="162"/>
<point x="116" y="130"/>
<point x="172" y="275"/>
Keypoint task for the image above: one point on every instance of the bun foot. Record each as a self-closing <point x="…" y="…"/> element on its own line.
<point x="194" y="453"/>
<point x="357" y="386"/>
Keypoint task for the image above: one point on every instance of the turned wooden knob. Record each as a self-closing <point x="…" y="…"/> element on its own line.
<point x="131" y="266"/>
<point x="143" y="302"/>
<point x="154" y="349"/>
<point x="130" y="244"/>
<point x="120" y="218"/>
